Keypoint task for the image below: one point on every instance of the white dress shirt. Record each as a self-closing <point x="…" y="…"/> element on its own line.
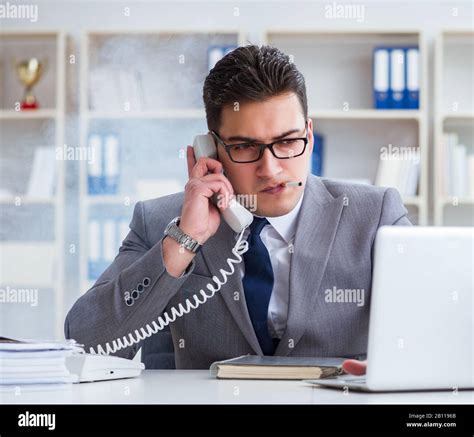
<point x="278" y="238"/>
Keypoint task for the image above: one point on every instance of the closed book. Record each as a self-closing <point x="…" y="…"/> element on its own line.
<point x="269" y="367"/>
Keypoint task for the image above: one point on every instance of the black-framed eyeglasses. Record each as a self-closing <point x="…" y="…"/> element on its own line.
<point x="286" y="148"/>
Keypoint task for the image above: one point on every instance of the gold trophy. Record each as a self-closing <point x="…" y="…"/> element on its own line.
<point x="29" y="71"/>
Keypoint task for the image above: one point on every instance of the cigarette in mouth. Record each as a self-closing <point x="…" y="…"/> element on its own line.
<point x="293" y="184"/>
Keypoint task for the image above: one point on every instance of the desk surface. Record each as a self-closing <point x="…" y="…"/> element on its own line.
<point x="197" y="387"/>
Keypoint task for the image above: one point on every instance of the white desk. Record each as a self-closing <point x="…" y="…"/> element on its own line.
<point x="197" y="387"/>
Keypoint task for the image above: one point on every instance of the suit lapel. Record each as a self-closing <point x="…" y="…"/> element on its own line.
<point x="316" y="229"/>
<point x="215" y="252"/>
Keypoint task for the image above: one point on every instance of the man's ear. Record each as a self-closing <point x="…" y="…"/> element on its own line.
<point x="310" y="136"/>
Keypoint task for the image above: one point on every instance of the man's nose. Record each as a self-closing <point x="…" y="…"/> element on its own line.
<point x="268" y="165"/>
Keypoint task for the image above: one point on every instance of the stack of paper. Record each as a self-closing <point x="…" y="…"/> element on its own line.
<point x="29" y="362"/>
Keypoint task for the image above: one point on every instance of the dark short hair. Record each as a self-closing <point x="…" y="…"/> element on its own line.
<point x="250" y="73"/>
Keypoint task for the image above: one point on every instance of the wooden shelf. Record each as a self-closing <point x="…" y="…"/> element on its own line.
<point x="366" y="114"/>
<point x="110" y="200"/>
<point x="451" y="200"/>
<point x="10" y="114"/>
<point x="458" y="116"/>
<point x="150" y="115"/>
<point x="413" y="200"/>
<point x="28" y="200"/>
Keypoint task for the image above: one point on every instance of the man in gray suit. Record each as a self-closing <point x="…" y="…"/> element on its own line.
<point x="303" y="287"/>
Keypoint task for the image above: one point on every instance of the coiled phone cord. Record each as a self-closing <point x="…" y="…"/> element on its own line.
<point x="241" y="246"/>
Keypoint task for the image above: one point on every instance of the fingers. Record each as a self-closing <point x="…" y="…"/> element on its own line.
<point x="220" y="188"/>
<point x="355" y="367"/>
<point x="219" y="177"/>
<point x="197" y="187"/>
<point x="203" y="166"/>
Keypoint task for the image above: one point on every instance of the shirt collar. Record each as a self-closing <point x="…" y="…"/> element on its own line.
<point x="285" y="225"/>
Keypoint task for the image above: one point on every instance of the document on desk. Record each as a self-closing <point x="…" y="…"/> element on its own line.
<point x="269" y="367"/>
<point x="28" y="362"/>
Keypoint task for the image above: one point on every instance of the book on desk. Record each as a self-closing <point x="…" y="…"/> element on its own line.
<point x="270" y="367"/>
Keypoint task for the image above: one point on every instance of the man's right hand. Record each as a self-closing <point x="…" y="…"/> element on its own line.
<point x="200" y="218"/>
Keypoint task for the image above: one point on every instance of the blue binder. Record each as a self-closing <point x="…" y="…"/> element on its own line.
<point x="412" y="77"/>
<point x="381" y="77"/>
<point x="398" y="90"/>
<point x="317" y="155"/>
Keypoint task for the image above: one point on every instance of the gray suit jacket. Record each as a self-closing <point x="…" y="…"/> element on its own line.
<point x="333" y="250"/>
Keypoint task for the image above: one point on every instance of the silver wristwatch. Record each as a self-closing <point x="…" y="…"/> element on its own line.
<point x="173" y="231"/>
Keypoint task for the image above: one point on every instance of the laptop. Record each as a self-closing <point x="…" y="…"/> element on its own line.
<point x="421" y="315"/>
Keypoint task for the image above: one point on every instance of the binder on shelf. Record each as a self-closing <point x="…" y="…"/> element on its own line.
<point x="397" y="87"/>
<point x="94" y="178"/>
<point x="105" y="239"/>
<point x="94" y="264"/>
<point x="111" y="165"/>
<point x="381" y="77"/>
<point x="317" y="155"/>
<point x="104" y="169"/>
<point x="396" y="77"/>
<point x="412" y="77"/>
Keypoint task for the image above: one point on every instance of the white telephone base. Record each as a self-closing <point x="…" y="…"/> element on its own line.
<point x="90" y="367"/>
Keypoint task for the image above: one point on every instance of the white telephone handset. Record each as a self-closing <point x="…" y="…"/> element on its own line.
<point x="236" y="216"/>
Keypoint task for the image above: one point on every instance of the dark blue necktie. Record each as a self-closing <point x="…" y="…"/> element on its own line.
<point x="258" y="284"/>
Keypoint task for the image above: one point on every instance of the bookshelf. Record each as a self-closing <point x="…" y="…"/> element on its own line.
<point x="32" y="227"/>
<point x="153" y="129"/>
<point x="344" y="114"/>
<point x="454" y="113"/>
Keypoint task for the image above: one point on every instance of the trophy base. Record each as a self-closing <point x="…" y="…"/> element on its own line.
<point x="29" y="105"/>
